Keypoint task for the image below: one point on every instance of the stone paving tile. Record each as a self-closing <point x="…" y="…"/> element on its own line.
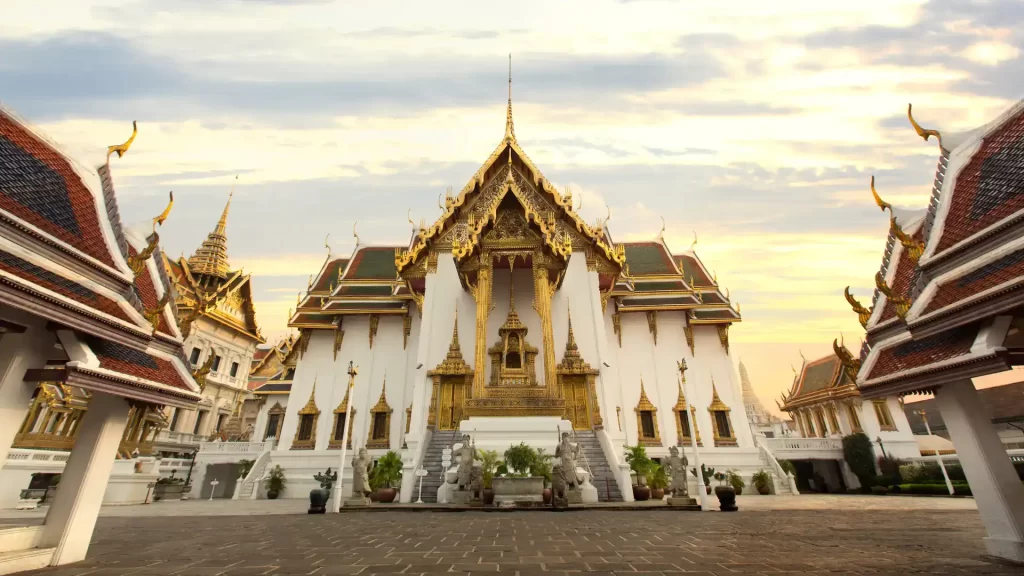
<point x="796" y="542"/>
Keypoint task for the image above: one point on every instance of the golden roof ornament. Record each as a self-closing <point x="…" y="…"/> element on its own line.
<point x="510" y="129"/>
<point x="923" y="133"/>
<point x="878" y="199"/>
<point x="661" y="234"/>
<point x="693" y="245"/>
<point x="212" y="256"/>
<point x="354" y="233"/>
<point x="159" y="220"/>
<point x="914" y="248"/>
<point x="901" y="304"/>
<point x="850" y="364"/>
<point x="863" y="314"/>
<point x="121" y="149"/>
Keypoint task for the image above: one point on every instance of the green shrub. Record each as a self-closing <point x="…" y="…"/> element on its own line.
<point x="890" y="468"/>
<point x="245" y="466"/>
<point x="639" y="463"/>
<point x="860" y="456"/>
<point x="879" y="490"/>
<point x="735" y="480"/>
<point x="541" y="465"/>
<point x="388" y="471"/>
<point x="959" y="489"/>
<point x="761" y="479"/>
<point x="657" y="477"/>
<point x="519" y="458"/>
<point x="488" y="465"/>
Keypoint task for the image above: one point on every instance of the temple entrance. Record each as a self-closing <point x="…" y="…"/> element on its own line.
<point x="451" y="400"/>
<point x="577" y="402"/>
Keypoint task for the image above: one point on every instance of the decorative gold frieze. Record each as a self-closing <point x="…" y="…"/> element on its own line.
<point x="723" y="336"/>
<point x="688" y="332"/>
<point x="406" y="330"/>
<point x="647" y="430"/>
<point x="374" y="320"/>
<point x="652" y="324"/>
<point x="617" y="326"/>
<point x="432" y="262"/>
<point x="542" y="294"/>
<point x="305" y="430"/>
<point x="339" y="337"/>
<point x="304" y="335"/>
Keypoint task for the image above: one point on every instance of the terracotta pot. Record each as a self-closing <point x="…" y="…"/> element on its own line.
<point x="738" y="490"/>
<point x="386" y="495"/>
<point x="708" y="488"/>
<point x="488" y="497"/>
<point x="375" y="496"/>
<point x="547" y="495"/>
<point x="271" y="494"/>
<point x="657" y="493"/>
<point x="641" y="493"/>
<point x="763" y="490"/>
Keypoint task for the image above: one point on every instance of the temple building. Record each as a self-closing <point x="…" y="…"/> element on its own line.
<point x="220" y="340"/>
<point x="760" y="419"/>
<point x="92" y="352"/>
<point x="509" y="318"/>
<point x="947" y="307"/>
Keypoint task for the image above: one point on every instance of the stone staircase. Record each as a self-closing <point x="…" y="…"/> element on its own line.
<point x="603" y="480"/>
<point x="439" y="440"/>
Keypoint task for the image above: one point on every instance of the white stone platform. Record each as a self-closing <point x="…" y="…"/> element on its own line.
<point x="495" y="432"/>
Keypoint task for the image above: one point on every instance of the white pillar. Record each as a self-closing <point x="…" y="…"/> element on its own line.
<point x="997" y="489"/>
<point x="72" y="516"/>
<point x="19" y="352"/>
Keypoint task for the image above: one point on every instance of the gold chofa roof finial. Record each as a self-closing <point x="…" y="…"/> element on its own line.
<point x="122" y="148"/>
<point x="878" y="199"/>
<point x="212" y="256"/>
<point x="510" y="129"/>
<point x="923" y="133"/>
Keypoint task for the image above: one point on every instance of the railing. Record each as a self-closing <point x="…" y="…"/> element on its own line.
<point x="170" y="437"/>
<point x="37" y="455"/>
<point x="232" y="447"/>
<point x="788" y="443"/>
<point x="249" y="486"/>
<point x="780" y="472"/>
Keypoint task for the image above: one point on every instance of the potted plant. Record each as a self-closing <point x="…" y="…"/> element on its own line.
<point x="275" y="482"/>
<point x="168" y="487"/>
<point x="488" y="465"/>
<point x="707" y="473"/>
<point x="657" y="480"/>
<point x="388" y="473"/>
<point x="518" y="485"/>
<point x="736" y="481"/>
<point x="541" y="466"/>
<point x="762" y="481"/>
<point x="640" y="464"/>
<point x="726" y="494"/>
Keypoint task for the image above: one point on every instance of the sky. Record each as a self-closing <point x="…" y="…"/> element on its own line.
<point x="754" y="125"/>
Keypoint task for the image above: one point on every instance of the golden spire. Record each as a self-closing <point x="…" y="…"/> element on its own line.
<point x="212" y="256"/>
<point x="510" y="129"/>
<point x="453" y="348"/>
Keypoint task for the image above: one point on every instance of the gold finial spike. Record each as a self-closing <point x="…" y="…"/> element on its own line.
<point x="609" y="214"/>
<point x="694" y="244"/>
<point x="510" y="130"/>
<point x="327" y="245"/>
<point x="408" y="216"/>
<point x="439" y="204"/>
<point x="222" y="224"/>
<point x="923" y="133"/>
<point x="661" y="235"/>
<point x="454" y="346"/>
<point x="878" y="199"/>
<point x="354" y="233"/>
<point x="159" y="220"/>
<point x="511" y="284"/>
<point x="122" y="148"/>
<point x="309" y="284"/>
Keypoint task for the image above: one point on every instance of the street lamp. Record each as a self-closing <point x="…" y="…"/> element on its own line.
<point x="938" y="458"/>
<point x="352" y="371"/>
<point x="702" y="488"/>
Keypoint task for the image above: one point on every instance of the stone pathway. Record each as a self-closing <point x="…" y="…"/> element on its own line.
<point x="894" y="541"/>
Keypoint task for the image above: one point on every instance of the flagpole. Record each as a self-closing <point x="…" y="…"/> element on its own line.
<point x="352" y="371"/>
<point x="701" y="487"/>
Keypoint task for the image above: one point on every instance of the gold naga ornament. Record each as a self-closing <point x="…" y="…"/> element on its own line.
<point x="121" y="149"/>
<point x="902" y="304"/>
<point x="914" y="248"/>
<point x="850" y="364"/>
<point x="863" y="314"/>
<point x="922" y="132"/>
<point x="138" y="262"/>
<point x="199" y="374"/>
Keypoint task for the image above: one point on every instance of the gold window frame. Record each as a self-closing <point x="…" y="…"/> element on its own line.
<point x="342" y="409"/>
<point x="279" y="410"/>
<point x="381" y="407"/>
<point x="312" y="411"/>
<point x="718" y="406"/>
<point x="885" y="420"/>
<point x="644" y="405"/>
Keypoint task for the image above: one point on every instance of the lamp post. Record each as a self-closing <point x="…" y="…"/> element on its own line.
<point x="352" y="371"/>
<point x="702" y="488"/>
<point x="882" y="446"/>
<point x="938" y="458"/>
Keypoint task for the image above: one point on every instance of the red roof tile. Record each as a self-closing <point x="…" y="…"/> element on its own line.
<point x="56" y="283"/>
<point x="147" y="294"/>
<point x="990" y="186"/>
<point x="919" y="353"/>
<point x="119" y="358"/>
<point x="39" y="186"/>
<point x="1003" y="270"/>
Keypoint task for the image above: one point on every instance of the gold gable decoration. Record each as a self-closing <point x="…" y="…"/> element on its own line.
<point x="380" y="438"/>
<point x="720" y="419"/>
<point x="451" y="380"/>
<point x="617" y="326"/>
<point x="374" y="321"/>
<point x="688" y="332"/>
<point x="305" y="429"/>
<point x="723" y="336"/>
<point x="643" y="407"/>
<point x="406" y="330"/>
<point x="652" y="324"/>
<point x="339" y="337"/>
<point x="342" y="412"/>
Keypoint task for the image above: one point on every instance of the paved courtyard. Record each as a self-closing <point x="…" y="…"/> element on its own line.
<point x="900" y="536"/>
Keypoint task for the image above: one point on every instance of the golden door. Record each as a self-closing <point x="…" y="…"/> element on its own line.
<point x="453" y="396"/>
<point x="577" y="403"/>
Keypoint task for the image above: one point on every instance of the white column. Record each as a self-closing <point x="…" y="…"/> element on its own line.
<point x="19" y="352"/>
<point x="72" y="516"/>
<point x="997" y="489"/>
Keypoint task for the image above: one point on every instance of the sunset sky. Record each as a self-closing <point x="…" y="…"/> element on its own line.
<point x="755" y="124"/>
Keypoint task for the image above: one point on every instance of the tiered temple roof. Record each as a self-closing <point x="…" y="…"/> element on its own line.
<point x="945" y="277"/>
<point x="820" y="380"/>
<point x="64" y="256"/>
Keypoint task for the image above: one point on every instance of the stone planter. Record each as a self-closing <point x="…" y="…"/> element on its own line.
<point x="318" y="500"/>
<point x="515" y="491"/>
<point x="168" y="491"/>
<point x="726" y="498"/>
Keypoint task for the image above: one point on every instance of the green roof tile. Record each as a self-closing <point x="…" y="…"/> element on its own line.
<point x="648" y="258"/>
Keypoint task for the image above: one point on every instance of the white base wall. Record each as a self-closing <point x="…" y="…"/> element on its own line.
<point x="498" y="433"/>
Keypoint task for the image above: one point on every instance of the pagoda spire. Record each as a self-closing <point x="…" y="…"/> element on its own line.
<point x="510" y="129"/>
<point x="212" y="256"/>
